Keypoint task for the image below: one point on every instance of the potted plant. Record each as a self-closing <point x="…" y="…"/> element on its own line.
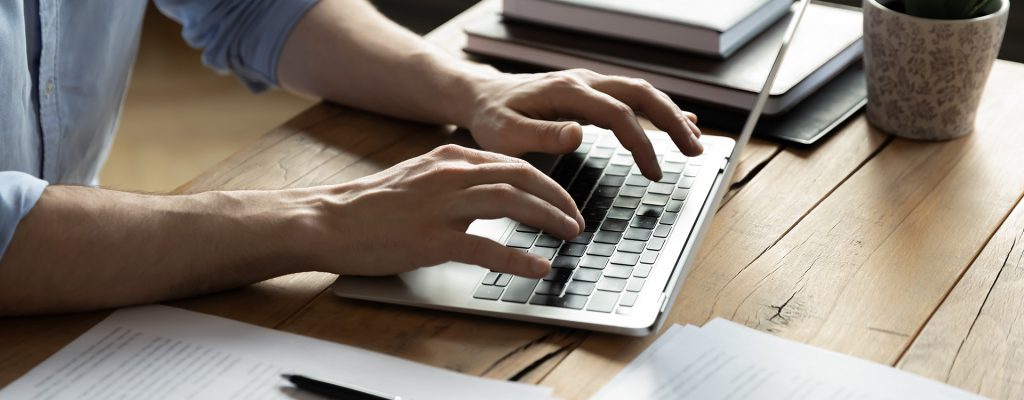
<point x="927" y="63"/>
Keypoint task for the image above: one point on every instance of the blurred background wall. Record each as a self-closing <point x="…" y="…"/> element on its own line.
<point x="181" y="118"/>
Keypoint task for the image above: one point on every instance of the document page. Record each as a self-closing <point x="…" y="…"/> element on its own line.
<point x="159" y="352"/>
<point x="725" y="360"/>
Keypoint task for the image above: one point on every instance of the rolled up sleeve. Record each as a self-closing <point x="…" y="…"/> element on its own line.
<point x="241" y="36"/>
<point x="18" y="194"/>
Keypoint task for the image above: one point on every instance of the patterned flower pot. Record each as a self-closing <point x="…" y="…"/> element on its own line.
<point x="925" y="76"/>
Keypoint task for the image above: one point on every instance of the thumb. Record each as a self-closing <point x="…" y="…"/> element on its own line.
<point x="532" y="135"/>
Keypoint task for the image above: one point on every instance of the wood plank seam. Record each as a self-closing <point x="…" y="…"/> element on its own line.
<point x="807" y="212"/>
<point x="981" y="307"/>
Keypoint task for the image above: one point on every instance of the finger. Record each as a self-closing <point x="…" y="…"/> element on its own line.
<point x="476" y="250"/>
<point x="583" y="102"/>
<point x="503" y="200"/>
<point x="657" y="106"/>
<point x="526" y="178"/>
<point x="523" y="135"/>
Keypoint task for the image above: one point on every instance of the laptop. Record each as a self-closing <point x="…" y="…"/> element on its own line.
<point x="620" y="276"/>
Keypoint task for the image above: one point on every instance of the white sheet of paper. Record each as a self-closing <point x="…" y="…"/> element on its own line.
<point x="159" y="352"/>
<point x="725" y="360"/>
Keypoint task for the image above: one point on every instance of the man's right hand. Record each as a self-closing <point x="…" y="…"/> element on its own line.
<point x="416" y="213"/>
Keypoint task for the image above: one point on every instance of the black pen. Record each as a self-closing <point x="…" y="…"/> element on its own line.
<point x="336" y="391"/>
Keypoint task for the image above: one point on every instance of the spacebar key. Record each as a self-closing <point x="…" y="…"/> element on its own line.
<point x="519" y="290"/>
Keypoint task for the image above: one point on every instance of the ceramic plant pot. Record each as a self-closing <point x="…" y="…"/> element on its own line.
<point x="925" y="76"/>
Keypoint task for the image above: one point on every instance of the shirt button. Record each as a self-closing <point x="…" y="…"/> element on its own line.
<point x="49" y="88"/>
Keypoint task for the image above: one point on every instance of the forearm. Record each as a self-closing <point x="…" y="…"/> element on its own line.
<point x="84" y="248"/>
<point x="345" y="51"/>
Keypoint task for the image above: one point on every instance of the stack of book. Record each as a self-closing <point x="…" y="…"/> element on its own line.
<point x="712" y="55"/>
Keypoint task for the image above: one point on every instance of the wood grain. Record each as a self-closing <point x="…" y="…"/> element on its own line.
<point x="975" y="338"/>
<point x="863" y="270"/>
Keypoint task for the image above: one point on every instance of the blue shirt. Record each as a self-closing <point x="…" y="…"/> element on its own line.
<point x="65" y="67"/>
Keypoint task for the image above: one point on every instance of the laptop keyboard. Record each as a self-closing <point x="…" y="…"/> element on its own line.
<point x="628" y="219"/>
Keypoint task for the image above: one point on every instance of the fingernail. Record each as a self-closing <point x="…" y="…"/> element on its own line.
<point x="696" y="144"/>
<point x="565" y="135"/>
<point x="694" y="128"/>
<point x="572" y="226"/>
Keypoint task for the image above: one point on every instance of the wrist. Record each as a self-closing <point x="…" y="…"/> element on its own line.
<point x="466" y="88"/>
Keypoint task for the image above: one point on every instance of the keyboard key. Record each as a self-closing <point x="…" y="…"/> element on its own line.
<point x="588" y="138"/>
<point x="503" y="280"/>
<point x="691" y="171"/>
<point x="635" y="284"/>
<point x="594" y="262"/>
<point x="546" y="252"/>
<point x="553" y="288"/>
<point x="680" y="194"/>
<point x="590" y="226"/>
<point x="685" y="183"/>
<point x="632" y="191"/>
<point x="699" y="160"/>
<point x="628" y="299"/>
<point x="669" y="218"/>
<point x="618" y="170"/>
<point x="670" y="166"/>
<point x="641" y="221"/>
<point x="565" y="262"/>
<point x="618" y="271"/>
<point x="648" y="210"/>
<point x="600" y="202"/>
<point x="675" y="156"/>
<point x="669" y="177"/>
<point x="597" y="163"/>
<point x="488" y="292"/>
<point x="583" y="238"/>
<point x="546" y="240"/>
<point x="624" y="310"/>
<point x="661" y="188"/>
<point x="490" y="278"/>
<point x="522" y="240"/>
<point x="591" y="213"/>
<point x="558" y="275"/>
<point x="568" y="301"/>
<point x="637" y="234"/>
<point x="519" y="290"/>
<point x="649" y="257"/>
<point x="607" y="237"/>
<point x="607" y="191"/>
<point x="655" y="244"/>
<point x="573" y="249"/>
<point x="632" y="246"/>
<point x="601" y="249"/>
<point x="620" y="213"/>
<point x="614" y="225"/>
<point x="642" y="270"/>
<point x="655" y="199"/>
<point x="603" y="302"/>
<point x="611" y="284"/>
<point x="624" y="258"/>
<point x="526" y="228"/>
<point x="587" y="275"/>
<point x="662" y="231"/>
<point x="637" y="180"/>
<point x="674" y="206"/>
<point x="581" y="288"/>
<point x="612" y="180"/>
<point x="602" y="152"/>
<point x="626" y="202"/>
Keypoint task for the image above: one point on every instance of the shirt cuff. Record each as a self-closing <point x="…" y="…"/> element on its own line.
<point x="18" y="194"/>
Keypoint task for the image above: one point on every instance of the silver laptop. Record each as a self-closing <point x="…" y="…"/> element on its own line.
<point x="624" y="272"/>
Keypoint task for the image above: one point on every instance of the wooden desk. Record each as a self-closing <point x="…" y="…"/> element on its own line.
<point x="904" y="253"/>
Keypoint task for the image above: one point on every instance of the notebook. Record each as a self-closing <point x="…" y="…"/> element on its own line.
<point x="715" y="28"/>
<point x="825" y="45"/>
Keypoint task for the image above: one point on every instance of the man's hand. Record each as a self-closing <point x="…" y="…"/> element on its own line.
<point x="515" y="114"/>
<point x="416" y="213"/>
